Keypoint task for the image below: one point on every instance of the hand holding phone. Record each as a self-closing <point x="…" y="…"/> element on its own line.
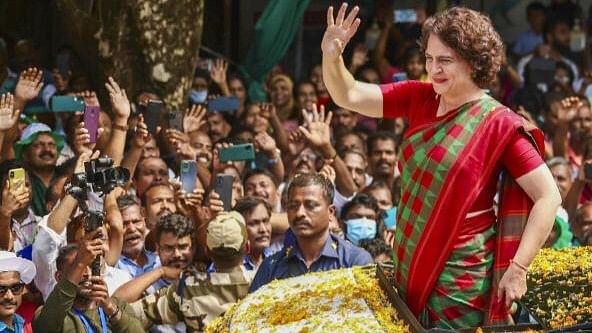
<point x="223" y="186"/>
<point x="175" y="120"/>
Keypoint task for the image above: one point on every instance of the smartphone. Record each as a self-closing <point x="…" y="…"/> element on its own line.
<point x="224" y="104"/>
<point x="67" y="104"/>
<point x="16" y="179"/>
<point x="390" y="218"/>
<point x="175" y="120"/>
<point x="242" y="152"/>
<point x="91" y="121"/>
<point x="588" y="171"/>
<point x="152" y="115"/>
<point x="405" y="16"/>
<point x="188" y="175"/>
<point x="223" y="187"/>
<point x="398" y="77"/>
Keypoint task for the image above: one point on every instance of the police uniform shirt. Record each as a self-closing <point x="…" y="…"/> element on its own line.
<point x="336" y="253"/>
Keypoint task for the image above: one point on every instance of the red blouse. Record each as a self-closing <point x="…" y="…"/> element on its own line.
<point x="418" y="102"/>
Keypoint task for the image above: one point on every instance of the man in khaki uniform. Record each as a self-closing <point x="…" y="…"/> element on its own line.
<point x="197" y="298"/>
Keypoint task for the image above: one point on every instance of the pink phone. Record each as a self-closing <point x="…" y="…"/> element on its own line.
<point x="91" y="121"/>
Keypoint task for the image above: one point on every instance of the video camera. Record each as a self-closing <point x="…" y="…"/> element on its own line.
<point x="101" y="177"/>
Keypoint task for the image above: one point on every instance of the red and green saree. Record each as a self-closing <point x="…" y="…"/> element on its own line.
<point x="448" y="266"/>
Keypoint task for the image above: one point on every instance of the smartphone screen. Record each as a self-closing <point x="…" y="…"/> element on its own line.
<point x="223" y="187"/>
<point x="152" y="115"/>
<point x="188" y="175"/>
<point x="91" y="121"/>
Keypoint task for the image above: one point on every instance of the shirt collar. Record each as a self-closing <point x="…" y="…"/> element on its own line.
<point x="17" y="324"/>
<point x="328" y="250"/>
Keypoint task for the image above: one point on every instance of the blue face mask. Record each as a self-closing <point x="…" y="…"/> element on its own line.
<point x="390" y="219"/>
<point x="359" y="229"/>
<point x="197" y="97"/>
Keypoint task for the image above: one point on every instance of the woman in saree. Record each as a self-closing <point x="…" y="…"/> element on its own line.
<point x="458" y="262"/>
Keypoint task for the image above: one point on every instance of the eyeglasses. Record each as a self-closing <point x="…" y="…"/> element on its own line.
<point x="15" y="289"/>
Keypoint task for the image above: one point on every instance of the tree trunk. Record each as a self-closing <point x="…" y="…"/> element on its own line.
<point x="143" y="44"/>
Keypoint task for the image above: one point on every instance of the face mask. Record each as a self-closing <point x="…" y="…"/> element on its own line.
<point x="390" y="218"/>
<point x="359" y="229"/>
<point x="197" y="97"/>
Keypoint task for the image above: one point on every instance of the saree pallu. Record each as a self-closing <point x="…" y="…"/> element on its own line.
<point x="446" y="270"/>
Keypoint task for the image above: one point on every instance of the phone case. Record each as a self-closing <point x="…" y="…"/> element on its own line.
<point x="16" y="178"/>
<point x="175" y="120"/>
<point x="390" y="219"/>
<point x="188" y="175"/>
<point x="67" y="104"/>
<point x="240" y="152"/>
<point x="152" y="115"/>
<point x="224" y="104"/>
<point x="223" y="187"/>
<point x="91" y="121"/>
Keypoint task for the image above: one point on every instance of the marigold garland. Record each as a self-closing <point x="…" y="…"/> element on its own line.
<point x="332" y="301"/>
<point x="560" y="286"/>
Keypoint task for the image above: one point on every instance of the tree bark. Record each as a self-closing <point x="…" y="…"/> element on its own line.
<point x="143" y="44"/>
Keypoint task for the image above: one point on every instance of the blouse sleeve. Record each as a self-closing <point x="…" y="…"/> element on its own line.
<point x="399" y="98"/>
<point x="520" y="156"/>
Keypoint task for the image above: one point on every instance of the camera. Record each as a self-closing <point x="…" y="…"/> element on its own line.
<point x="101" y="176"/>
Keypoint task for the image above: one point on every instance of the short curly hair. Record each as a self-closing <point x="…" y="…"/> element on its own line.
<point x="472" y="35"/>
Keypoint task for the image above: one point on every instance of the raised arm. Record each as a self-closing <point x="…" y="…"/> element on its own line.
<point x="132" y="290"/>
<point x="361" y="97"/>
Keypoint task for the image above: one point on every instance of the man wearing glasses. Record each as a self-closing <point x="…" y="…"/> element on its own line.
<point x="15" y="273"/>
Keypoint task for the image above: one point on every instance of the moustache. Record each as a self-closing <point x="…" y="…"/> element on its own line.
<point x="131" y="236"/>
<point x="301" y="221"/>
<point x="47" y="154"/>
<point x="8" y="303"/>
<point x="164" y="212"/>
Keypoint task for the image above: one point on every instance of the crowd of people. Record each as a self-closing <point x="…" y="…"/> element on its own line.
<point x="321" y="192"/>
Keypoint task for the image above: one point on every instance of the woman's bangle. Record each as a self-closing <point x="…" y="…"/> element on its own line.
<point x="519" y="265"/>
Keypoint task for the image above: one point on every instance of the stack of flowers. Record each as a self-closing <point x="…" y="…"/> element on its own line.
<point x="560" y="287"/>
<point x="334" y="301"/>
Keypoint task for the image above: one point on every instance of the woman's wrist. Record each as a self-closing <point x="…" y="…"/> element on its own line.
<point x="518" y="265"/>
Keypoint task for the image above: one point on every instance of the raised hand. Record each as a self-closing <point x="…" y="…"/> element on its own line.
<point x="141" y="137"/>
<point x="8" y="115"/>
<point x="14" y="199"/>
<point x="82" y="142"/>
<point x="295" y="142"/>
<point x="195" y="118"/>
<point x="90" y="98"/>
<point x="218" y="71"/>
<point x="339" y="31"/>
<point x="119" y="100"/>
<point x="265" y="143"/>
<point x="85" y="156"/>
<point x="29" y="85"/>
<point x="569" y="109"/>
<point x="317" y="131"/>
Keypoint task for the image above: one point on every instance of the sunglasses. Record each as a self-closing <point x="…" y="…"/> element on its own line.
<point x="15" y="289"/>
